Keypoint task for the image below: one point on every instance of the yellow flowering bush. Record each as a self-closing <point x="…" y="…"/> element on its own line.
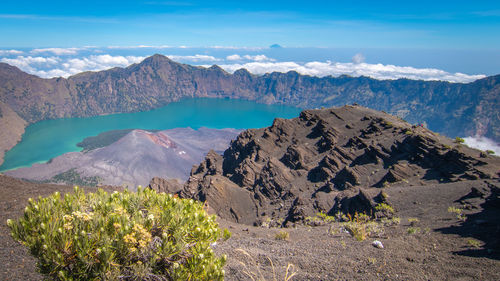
<point x="140" y="235"/>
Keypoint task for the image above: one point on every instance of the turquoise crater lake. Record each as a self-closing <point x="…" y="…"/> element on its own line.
<point x="47" y="139"/>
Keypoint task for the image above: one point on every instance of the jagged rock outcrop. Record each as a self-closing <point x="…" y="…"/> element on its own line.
<point x="329" y="160"/>
<point x="454" y="109"/>
<point x="165" y="185"/>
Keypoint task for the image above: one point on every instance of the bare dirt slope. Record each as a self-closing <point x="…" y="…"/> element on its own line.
<point x="439" y="251"/>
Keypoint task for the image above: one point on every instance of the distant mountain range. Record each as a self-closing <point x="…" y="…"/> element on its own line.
<point x="453" y="109"/>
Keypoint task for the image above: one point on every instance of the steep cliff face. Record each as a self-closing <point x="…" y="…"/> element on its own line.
<point x="11" y="129"/>
<point x="449" y="108"/>
<point x="328" y="161"/>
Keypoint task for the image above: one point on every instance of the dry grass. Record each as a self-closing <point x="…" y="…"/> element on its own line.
<point x="254" y="273"/>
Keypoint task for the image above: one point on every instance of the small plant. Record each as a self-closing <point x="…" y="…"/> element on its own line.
<point x="390" y="222"/>
<point x="342" y="243"/>
<point x="491" y="152"/>
<point x="459" y="140"/>
<point x="361" y="227"/>
<point x="413" y="230"/>
<point x="266" y="223"/>
<point x="447" y="146"/>
<point x="140" y="235"/>
<point x="413" y="221"/>
<point x="226" y="234"/>
<point x="408" y="132"/>
<point x="282" y="235"/>
<point x="387" y="124"/>
<point x="384" y="207"/>
<point x="474" y="243"/>
<point x="384" y="195"/>
<point x="372" y="260"/>
<point x="321" y="219"/>
<point x="324" y="217"/>
<point x="458" y="212"/>
<point x="386" y="184"/>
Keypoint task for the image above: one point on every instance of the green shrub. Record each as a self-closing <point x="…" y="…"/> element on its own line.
<point x="226" y="234"/>
<point x="324" y="217"/>
<point x="413" y="230"/>
<point x="140" y="235"/>
<point x="474" y="243"/>
<point x="361" y="226"/>
<point x="384" y="207"/>
<point x="390" y="221"/>
<point x="282" y="235"/>
<point x="413" y="221"/>
<point x="459" y="140"/>
<point x="489" y="151"/>
<point x="458" y="212"/>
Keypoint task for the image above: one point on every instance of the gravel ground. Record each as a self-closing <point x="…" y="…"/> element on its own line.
<point x="439" y="251"/>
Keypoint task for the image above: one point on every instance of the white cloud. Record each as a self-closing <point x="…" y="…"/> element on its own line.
<point x="233" y="57"/>
<point x="31" y="64"/>
<point x="66" y="65"/>
<point x="483" y="143"/>
<point x="358" y="58"/>
<point x="141" y="47"/>
<point x="57" y="51"/>
<point x="10" y="52"/>
<point x="48" y="67"/>
<point x="236" y="48"/>
<point x="258" y="58"/>
<point x="194" y="58"/>
<point x="377" y="71"/>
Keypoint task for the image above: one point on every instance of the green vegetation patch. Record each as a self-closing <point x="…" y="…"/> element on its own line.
<point x="140" y="235"/>
<point x="73" y="177"/>
<point x="102" y="140"/>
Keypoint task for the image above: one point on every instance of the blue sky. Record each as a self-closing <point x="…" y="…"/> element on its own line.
<point x="455" y="41"/>
<point x="341" y="24"/>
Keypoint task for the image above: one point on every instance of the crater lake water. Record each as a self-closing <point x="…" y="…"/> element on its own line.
<point x="47" y="139"/>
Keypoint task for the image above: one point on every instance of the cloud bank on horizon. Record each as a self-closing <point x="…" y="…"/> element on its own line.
<point x="483" y="143"/>
<point x="64" y="62"/>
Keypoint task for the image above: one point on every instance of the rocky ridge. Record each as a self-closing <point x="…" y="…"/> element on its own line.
<point x="450" y="108"/>
<point x="331" y="160"/>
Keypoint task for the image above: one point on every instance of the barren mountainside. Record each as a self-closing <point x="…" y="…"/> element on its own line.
<point x="449" y="108"/>
<point x="330" y="160"/>
<point x="133" y="159"/>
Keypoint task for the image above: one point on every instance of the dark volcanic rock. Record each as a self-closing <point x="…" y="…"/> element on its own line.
<point x="165" y="185"/>
<point x="330" y="160"/>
